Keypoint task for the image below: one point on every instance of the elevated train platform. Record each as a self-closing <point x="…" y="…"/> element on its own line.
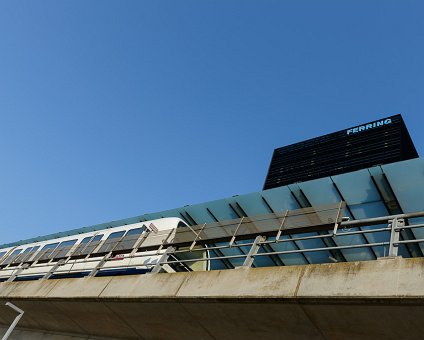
<point x="335" y="257"/>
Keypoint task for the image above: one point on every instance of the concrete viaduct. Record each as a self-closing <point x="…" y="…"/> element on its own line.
<point x="381" y="299"/>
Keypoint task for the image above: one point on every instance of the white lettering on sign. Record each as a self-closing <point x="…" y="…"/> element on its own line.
<point x="369" y="126"/>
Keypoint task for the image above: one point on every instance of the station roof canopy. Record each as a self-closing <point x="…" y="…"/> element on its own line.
<point x="372" y="192"/>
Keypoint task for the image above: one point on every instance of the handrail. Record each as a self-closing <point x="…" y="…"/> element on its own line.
<point x="179" y="246"/>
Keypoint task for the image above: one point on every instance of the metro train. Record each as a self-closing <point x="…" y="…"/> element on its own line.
<point x="130" y="249"/>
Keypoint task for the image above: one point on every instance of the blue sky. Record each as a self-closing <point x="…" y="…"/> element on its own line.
<point x="110" y="109"/>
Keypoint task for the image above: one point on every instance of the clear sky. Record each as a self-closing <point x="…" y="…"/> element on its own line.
<point x="111" y="109"/>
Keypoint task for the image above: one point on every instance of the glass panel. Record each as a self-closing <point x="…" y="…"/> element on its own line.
<point x="200" y="214"/>
<point x="360" y="193"/>
<point x="221" y="210"/>
<point x="236" y="262"/>
<point x="357" y="187"/>
<point x="89" y="248"/>
<point x="288" y="259"/>
<point x="385" y="191"/>
<point x="18" y="259"/>
<point x="171" y="213"/>
<point x="323" y="191"/>
<point x="63" y="249"/>
<point x="129" y="240"/>
<point x="81" y="246"/>
<point x="11" y="257"/>
<point x="375" y="209"/>
<point x="111" y="241"/>
<point x="312" y="257"/>
<point x="45" y="253"/>
<point x="281" y="199"/>
<point x="407" y="181"/>
<point x="30" y="254"/>
<point x="259" y="261"/>
<point x="284" y="200"/>
<point x="86" y="239"/>
<point x="253" y="204"/>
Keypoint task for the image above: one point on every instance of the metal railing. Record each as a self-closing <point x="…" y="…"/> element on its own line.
<point x="258" y="236"/>
<point x="262" y="237"/>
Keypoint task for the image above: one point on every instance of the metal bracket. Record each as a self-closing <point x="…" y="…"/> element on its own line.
<point x="99" y="265"/>
<point x="197" y="236"/>
<point x="139" y="243"/>
<point x="15" y="322"/>
<point x="163" y="258"/>
<point x="395" y="226"/>
<point x="18" y="271"/>
<point x="235" y="232"/>
<point x="53" y="269"/>
<point x="105" y="258"/>
<point x="336" y="223"/>
<point x="250" y="257"/>
<point x="280" y="229"/>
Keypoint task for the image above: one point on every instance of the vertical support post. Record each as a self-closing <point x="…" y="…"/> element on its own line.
<point x="336" y="223"/>
<point x="139" y="242"/>
<point x="235" y="232"/>
<point x="17" y="272"/>
<point x="59" y="263"/>
<point x="164" y="241"/>
<point x="395" y="226"/>
<point x="163" y="258"/>
<point x="197" y="236"/>
<point x="15" y="322"/>
<point x="250" y="257"/>
<point x="96" y="269"/>
<point x="277" y="238"/>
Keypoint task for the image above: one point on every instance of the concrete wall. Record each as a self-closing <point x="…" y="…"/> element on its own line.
<point x="40" y="335"/>
<point x="358" y="300"/>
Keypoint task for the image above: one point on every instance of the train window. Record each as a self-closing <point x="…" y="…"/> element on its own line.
<point x="2" y="253"/>
<point x="63" y="249"/>
<point x="81" y="246"/>
<point x="86" y="239"/>
<point x="129" y="240"/>
<point x="18" y="259"/>
<point x="28" y="256"/>
<point x="46" y="251"/>
<point x="136" y="231"/>
<point x="111" y="241"/>
<point x="97" y="238"/>
<point x="87" y="249"/>
<point x="11" y="257"/>
<point x="116" y="234"/>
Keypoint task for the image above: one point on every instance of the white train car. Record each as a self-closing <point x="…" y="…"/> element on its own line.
<point x="129" y="249"/>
